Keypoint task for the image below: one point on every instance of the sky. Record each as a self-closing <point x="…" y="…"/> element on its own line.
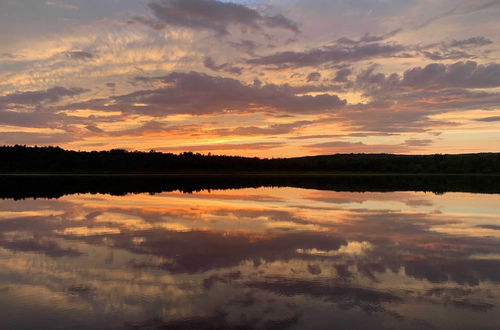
<point x="266" y="78"/>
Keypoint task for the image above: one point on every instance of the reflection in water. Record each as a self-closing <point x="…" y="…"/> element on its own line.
<point x="282" y="258"/>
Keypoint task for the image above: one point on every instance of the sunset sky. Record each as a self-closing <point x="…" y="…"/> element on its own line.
<point x="268" y="78"/>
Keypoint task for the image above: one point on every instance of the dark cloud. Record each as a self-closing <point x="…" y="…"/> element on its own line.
<point x="489" y="119"/>
<point x="332" y="54"/>
<point x="344" y="296"/>
<point x="80" y="55"/>
<point x="47" y="247"/>
<point x="342" y="75"/>
<point x="493" y="227"/>
<point x="153" y="127"/>
<point x="470" y="42"/>
<point x="462" y="271"/>
<point x="386" y="117"/>
<point x="247" y="46"/>
<point x="313" y="76"/>
<point x="35" y="109"/>
<point x="468" y="74"/>
<point x="447" y="55"/>
<point x="28" y="138"/>
<point x="200" y="251"/>
<point x="441" y="80"/>
<point x="94" y="129"/>
<point x="453" y="49"/>
<point x="28" y="118"/>
<point x="212" y="15"/>
<point x="384" y="113"/>
<point x="51" y="95"/>
<point x="150" y="22"/>
<point x="8" y="55"/>
<point x="340" y="51"/>
<point x="367" y="38"/>
<point x="198" y="93"/>
<point x="225" y="67"/>
<point x="280" y="21"/>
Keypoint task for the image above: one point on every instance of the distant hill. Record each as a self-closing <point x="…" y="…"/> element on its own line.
<point x="23" y="159"/>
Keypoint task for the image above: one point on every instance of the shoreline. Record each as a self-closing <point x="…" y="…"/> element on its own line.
<point x="236" y="173"/>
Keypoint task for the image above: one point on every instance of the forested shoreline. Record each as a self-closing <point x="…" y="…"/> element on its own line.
<point x="24" y="159"/>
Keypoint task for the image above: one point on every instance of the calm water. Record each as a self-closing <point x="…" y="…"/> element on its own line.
<point x="266" y="258"/>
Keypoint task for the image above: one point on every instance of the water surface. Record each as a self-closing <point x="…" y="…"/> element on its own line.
<point x="251" y="258"/>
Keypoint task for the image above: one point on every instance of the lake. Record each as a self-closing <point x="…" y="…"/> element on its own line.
<point x="291" y="256"/>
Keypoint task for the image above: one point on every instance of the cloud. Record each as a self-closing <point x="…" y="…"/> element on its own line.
<point x="342" y="295"/>
<point x="342" y="75"/>
<point x="27" y="118"/>
<point x="387" y="117"/>
<point x="468" y="74"/>
<point x="453" y="49"/>
<point x="345" y="50"/>
<point x="339" y="52"/>
<point x="150" y="128"/>
<point x="280" y="21"/>
<point x="197" y="93"/>
<point x="47" y="247"/>
<point x="94" y="129"/>
<point x="212" y="15"/>
<point x="247" y="46"/>
<point x="447" y="55"/>
<point x="35" y="109"/>
<point x="10" y="138"/>
<point x="225" y="67"/>
<point x="313" y="76"/>
<point x="489" y="119"/>
<point x="9" y="56"/>
<point x="51" y="95"/>
<point x="79" y="55"/>
<point x="418" y="142"/>
<point x="470" y="42"/>
<point x="367" y="38"/>
<point x="434" y="77"/>
<point x="493" y="227"/>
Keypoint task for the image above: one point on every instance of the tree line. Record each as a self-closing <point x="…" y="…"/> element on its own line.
<point x="55" y="186"/>
<point x="25" y="159"/>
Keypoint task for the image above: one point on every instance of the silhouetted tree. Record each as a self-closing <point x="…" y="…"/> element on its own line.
<point x="23" y="159"/>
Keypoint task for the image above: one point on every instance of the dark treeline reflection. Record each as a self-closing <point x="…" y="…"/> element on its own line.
<point x="55" y="186"/>
<point x="22" y="159"/>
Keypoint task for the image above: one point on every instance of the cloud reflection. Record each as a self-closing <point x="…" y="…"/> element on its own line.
<point x="228" y="260"/>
